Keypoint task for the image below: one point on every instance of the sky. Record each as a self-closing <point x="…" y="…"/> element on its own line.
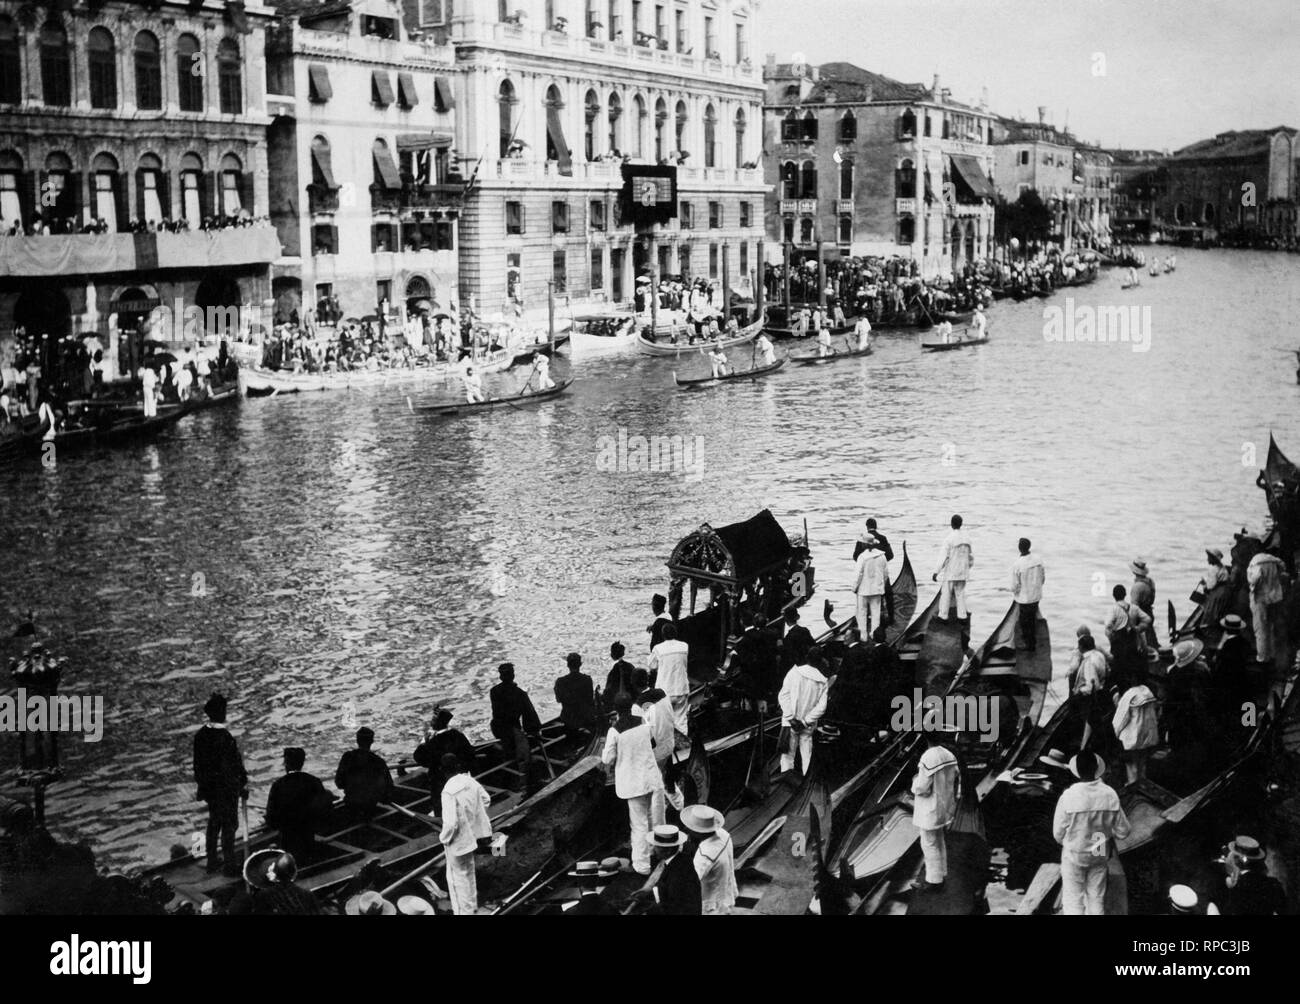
<point x="1154" y="74"/>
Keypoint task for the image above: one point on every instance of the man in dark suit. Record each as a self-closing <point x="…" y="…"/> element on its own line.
<point x="796" y="643"/>
<point x="222" y="781"/>
<point x="513" y="720"/>
<point x="437" y="744"/>
<point x="619" y="680"/>
<point x="676" y="893"/>
<point x="297" y="804"/>
<point x="577" y="698"/>
<point x="363" y="777"/>
<point x="656" y="630"/>
<point x="591" y="877"/>
<point x="757" y="658"/>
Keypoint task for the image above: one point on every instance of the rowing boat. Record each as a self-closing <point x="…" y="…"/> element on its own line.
<point x="751" y="374"/>
<point x="678" y="349"/>
<point x="516" y="401"/>
<point x="963" y="339"/>
<point x="254" y="380"/>
<point x="834" y="357"/>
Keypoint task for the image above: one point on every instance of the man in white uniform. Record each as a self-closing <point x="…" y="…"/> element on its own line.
<point x="1087" y="821"/>
<point x="668" y="662"/>
<point x="542" y="370"/>
<point x="766" y="349"/>
<point x="803" y="702"/>
<point x="863" y="332"/>
<point x="149" y="382"/>
<point x="473" y="386"/>
<point x="980" y="322"/>
<point x="935" y="790"/>
<point x="629" y="748"/>
<point x="715" y="860"/>
<point x="824" y="342"/>
<point x="954" y="568"/>
<point x="869" y="585"/>
<point x="718" y="360"/>
<point x="464" y="823"/>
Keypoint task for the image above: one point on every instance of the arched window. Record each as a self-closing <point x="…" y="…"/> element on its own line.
<point x="905" y="181"/>
<point x="808" y="180"/>
<point x="679" y="136"/>
<point x="230" y="77"/>
<point x="1180" y="213"/>
<point x="848" y="127"/>
<point x="789" y="180"/>
<point x="554" y="127"/>
<point x="106" y="189"/>
<point x="806" y="230"/>
<point x="846" y="178"/>
<point x="661" y="119"/>
<point x="59" y="188"/>
<point x="740" y="137"/>
<point x="11" y="203"/>
<point x="907" y="127"/>
<point x="148" y="72"/>
<point x="192" y="196"/>
<point x="809" y="130"/>
<point x="56" y="67"/>
<point x="846" y="230"/>
<point x="591" y="112"/>
<point x="1207" y="213"/>
<point x="506" y="101"/>
<point x="151" y="190"/>
<point x="790" y="127"/>
<point x="710" y="136"/>
<point x="11" y="78"/>
<point x="615" y="114"/>
<point x="638" y="126"/>
<point x="231" y="185"/>
<point x="189" y="74"/>
<point x="101" y="61"/>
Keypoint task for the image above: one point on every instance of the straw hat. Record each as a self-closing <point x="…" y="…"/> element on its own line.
<point x="1232" y="623"/>
<point x="1137" y="566"/>
<point x="1186" y="652"/>
<point x="1099" y="772"/>
<point x="701" y="819"/>
<point x="665" y="836"/>
<point x="414" y="906"/>
<point x="369" y="904"/>
<point x="1055" y="758"/>
<point x="593" y="869"/>
<point x="1246" y="849"/>
<point x="267" y="867"/>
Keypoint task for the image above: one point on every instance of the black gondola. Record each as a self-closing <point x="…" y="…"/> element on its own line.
<point x="743" y="375"/>
<point x="514" y="401"/>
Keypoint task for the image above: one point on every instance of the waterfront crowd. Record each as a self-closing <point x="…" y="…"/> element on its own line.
<point x="49" y="224"/>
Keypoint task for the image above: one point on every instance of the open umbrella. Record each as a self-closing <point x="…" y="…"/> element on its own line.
<point x="370" y="318"/>
<point x="424" y="305"/>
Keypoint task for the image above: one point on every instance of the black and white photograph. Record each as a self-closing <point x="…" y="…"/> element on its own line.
<point x="649" y="457"/>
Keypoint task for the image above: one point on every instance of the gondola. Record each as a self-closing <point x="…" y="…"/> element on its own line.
<point x="546" y="347"/>
<point x="834" y="357"/>
<point x="963" y="340"/>
<point x="680" y="348"/>
<point x="1280" y="480"/>
<point x="514" y="401"/>
<point x="750" y="374"/>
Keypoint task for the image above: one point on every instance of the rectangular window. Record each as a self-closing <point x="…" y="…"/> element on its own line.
<point x="151" y="200"/>
<point x="383" y="293"/>
<point x="615" y="21"/>
<point x="514" y="217"/>
<point x="230" y="201"/>
<point x="787" y="229"/>
<point x="383" y="237"/>
<point x="665" y="259"/>
<point x="680" y="22"/>
<point x="324" y="239"/>
<point x="710" y="38"/>
<point x="191" y="204"/>
<point x="1024" y="157"/>
<point x="444" y="236"/>
<point x="559" y="217"/>
<point x="636" y="21"/>
<point x="715" y="215"/>
<point x="713" y="261"/>
<point x="514" y="278"/>
<point x="684" y="259"/>
<point x="560" y="271"/>
<point x="661" y="26"/>
<point x="597" y="214"/>
<point x="598" y="270"/>
<point x="846" y="229"/>
<point x="686" y="216"/>
<point x="742" y="45"/>
<point x="616" y="259"/>
<point x="745" y="211"/>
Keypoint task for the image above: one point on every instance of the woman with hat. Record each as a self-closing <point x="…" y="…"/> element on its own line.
<point x="1087" y="821"/>
<point x="715" y="861"/>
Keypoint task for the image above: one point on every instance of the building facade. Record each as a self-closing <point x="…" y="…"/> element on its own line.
<point x="1137" y="179"/>
<point x="1238" y="182"/>
<point x="125" y="129"/>
<point x="553" y="96"/>
<point x="365" y="194"/>
<point x="867" y="165"/>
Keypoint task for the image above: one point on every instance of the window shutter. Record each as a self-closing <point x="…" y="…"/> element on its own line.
<point x="29" y="195"/>
<point x="206" y="181"/>
<point x="139" y="194"/>
<point x="119" y="196"/>
<point x="164" y="195"/>
<point x="246" y="192"/>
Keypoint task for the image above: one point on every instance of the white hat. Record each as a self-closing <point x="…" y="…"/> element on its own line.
<point x="701" y="819"/>
<point x="414" y="906"/>
<point x="1183" y="898"/>
<point x="665" y="836"/>
<point x="369" y="904"/>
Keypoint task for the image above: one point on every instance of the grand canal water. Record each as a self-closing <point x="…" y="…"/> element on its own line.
<point x="333" y="560"/>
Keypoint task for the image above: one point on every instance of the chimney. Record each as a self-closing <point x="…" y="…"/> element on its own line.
<point x="1042" y="114"/>
<point x="934" y="88"/>
<point x="984" y="99"/>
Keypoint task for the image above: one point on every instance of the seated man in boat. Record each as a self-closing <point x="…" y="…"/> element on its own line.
<point x="718" y="360"/>
<point x="765" y="349"/>
<point x="542" y="371"/>
<point x="473" y="386"/>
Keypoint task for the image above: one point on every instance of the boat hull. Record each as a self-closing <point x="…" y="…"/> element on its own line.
<point x="261" y="381"/>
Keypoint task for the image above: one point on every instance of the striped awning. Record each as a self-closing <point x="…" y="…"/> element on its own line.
<point x="969" y="170"/>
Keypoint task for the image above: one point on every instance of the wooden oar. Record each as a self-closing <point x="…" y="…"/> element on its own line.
<point x="757" y="844"/>
<point x="435" y="824"/>
<point x="550" y="767"/>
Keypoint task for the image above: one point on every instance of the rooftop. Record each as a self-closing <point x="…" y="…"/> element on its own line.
<point x="1235" y="143"/>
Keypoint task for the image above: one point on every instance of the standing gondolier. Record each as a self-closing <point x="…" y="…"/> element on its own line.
<point x="1027" y="576"/>
<point x="222" y="782"/>
<point x="765" y="349"/>
<point x="464" y="823"/>
<point x="668" y="671"/>
<point x="1087" y="821"/>
<point x="954" y="567"/>
<point x="862" y="331"/>
<point x="803" y="702"/>
<point x="473" y="386"/>
<point x="542" y="371"/>
<point x="514" y="720"/>
<point x="936" y="790"/>
<point x="869" y="586"/>
<point x="1143" y="595"/>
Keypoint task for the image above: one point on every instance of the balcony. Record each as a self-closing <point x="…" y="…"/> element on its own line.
<point x="844" y="206"/>
<point x="322" y="200"/>
<point x="96" y="254"/>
